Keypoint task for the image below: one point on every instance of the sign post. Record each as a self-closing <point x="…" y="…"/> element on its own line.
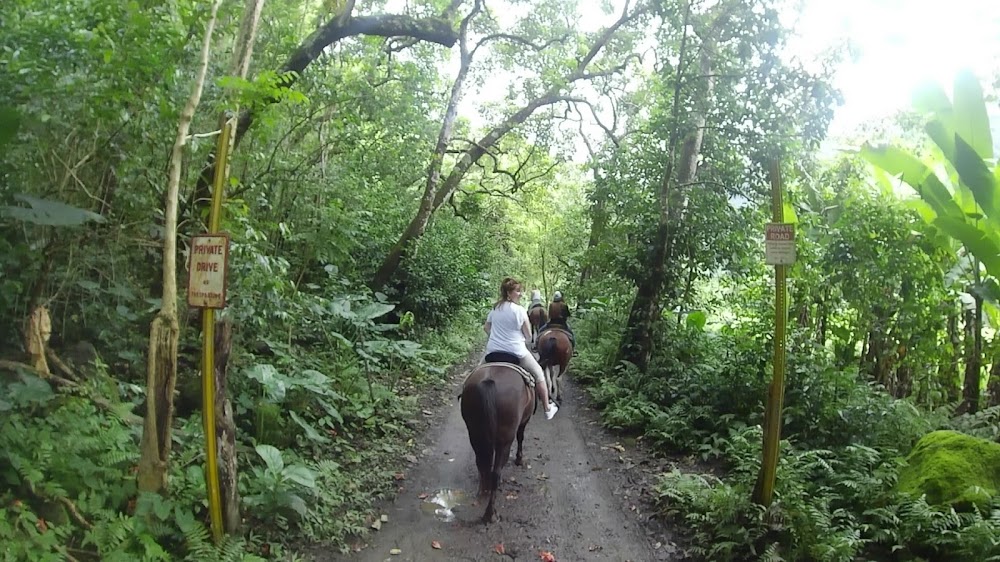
<point x="207" y="290"/>
<point x="779" y="251"/>
<point x="207" y="271"/>
<point x="779" y="243"/>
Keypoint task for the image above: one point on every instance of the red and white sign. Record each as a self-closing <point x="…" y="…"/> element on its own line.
<point x="207" y="269"/>
<point x="779" y="243"/>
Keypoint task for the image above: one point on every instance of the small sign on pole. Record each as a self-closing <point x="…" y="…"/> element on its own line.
<point x="779" y="243"/>
<point x="207" y="271"/>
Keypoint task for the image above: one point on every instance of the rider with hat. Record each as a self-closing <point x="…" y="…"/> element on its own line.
<point x="559" y="315"/>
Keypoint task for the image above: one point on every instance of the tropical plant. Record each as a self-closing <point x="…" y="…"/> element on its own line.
<point x="959" y="194"/>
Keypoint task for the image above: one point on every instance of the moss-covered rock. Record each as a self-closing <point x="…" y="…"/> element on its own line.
<point x="952" y="468"/>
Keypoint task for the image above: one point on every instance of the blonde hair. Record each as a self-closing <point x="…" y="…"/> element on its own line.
<point x="507" y="286"/>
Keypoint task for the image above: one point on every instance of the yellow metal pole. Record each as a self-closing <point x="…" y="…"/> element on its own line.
<point x="764" y="490"/>
<point x="208" y="343"/>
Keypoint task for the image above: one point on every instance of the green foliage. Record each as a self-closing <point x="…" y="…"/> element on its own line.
<point x="447" y="272"/>
<point x="984" y="424"/>
<point x="67" y="481"/>
<point x="274" y="488"/>
<point x="845" y="439"/>
<point x="831" y="506"/>
<point x="968" y="192"/>
<point x="829" y="407"/>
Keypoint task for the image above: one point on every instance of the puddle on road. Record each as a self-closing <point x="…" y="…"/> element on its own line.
<point x="442" y="503"/>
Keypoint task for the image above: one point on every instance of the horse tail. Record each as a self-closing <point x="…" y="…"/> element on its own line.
<point x="547" y="352"/>
<point x="488" y="395"/>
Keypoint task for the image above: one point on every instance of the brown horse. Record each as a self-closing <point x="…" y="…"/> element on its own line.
<point x="496" y="405"/>
<point x="554" y="352"/>
<point x="537" y="317"/>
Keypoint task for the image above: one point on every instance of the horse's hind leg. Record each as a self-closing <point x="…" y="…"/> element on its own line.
<point x="555" y="394"/>
<point x="520" y="440"/>
<point x="501" y="455"/>
<point x="488" y="514"/>
<point x="484" y="462"/>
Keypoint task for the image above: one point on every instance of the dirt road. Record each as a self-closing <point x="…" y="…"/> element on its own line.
<point x="575" y="497"/>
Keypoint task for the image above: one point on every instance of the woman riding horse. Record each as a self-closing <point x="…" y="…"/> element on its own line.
<point x="497" y="401"/>
<point x="508" y="329"/>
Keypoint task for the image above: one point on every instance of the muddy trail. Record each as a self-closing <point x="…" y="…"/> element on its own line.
<point x="580" y="495"/>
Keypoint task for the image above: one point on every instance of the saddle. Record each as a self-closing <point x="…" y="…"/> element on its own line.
<point x="510" y="360"/>
<point x="557" y="328"/>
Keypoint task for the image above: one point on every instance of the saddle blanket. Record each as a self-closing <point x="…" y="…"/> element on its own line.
<point x="529" y="379"/>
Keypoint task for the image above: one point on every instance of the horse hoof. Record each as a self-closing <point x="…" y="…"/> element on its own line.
<point x="518" y="461"/>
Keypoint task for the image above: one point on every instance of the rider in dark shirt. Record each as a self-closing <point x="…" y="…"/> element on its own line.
<point x="559" y="316"/>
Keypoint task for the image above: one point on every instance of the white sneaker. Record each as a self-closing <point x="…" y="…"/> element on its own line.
<point x="551" y="412"/>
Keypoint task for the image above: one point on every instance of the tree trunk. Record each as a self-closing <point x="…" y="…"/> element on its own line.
<point x="39" y="329"/>
<point x="161" y="363"/>
<point x="418" y="225"/>
<point x="243" y="51"/>
<point x="950" y="370"/>
<point x="161" y="378"/>
<point x="993" y="386"/>
<point x="802" y="316"/>
<point x="821" y="312"/>
<point x="225" y="430"/>
<point x="878" y="360"/>
<point x="545" y="283"/>
<point x="904" y="381"/>
<point x="904" y="372"/>
<point x="598" y="223"/>
<point x="692" y="274"/>
<point x="865" y="344"/>
<point x="637" y="344"/>
<point x="973" y="358"/>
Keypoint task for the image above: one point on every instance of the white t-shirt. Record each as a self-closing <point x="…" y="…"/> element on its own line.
<point x="505" y="329"/>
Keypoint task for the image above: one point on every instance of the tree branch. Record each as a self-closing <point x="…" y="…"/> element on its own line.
<point x="604" y="38"/>
<point x="520" y="40"/>
<point x="434" y="30"/>
<point x="609" y="71"/>
<point x="609" y="131"/>
<point x="454" y="208"/>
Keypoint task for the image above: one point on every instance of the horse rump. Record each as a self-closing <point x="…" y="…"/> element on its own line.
<point x="547" y="351"/>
